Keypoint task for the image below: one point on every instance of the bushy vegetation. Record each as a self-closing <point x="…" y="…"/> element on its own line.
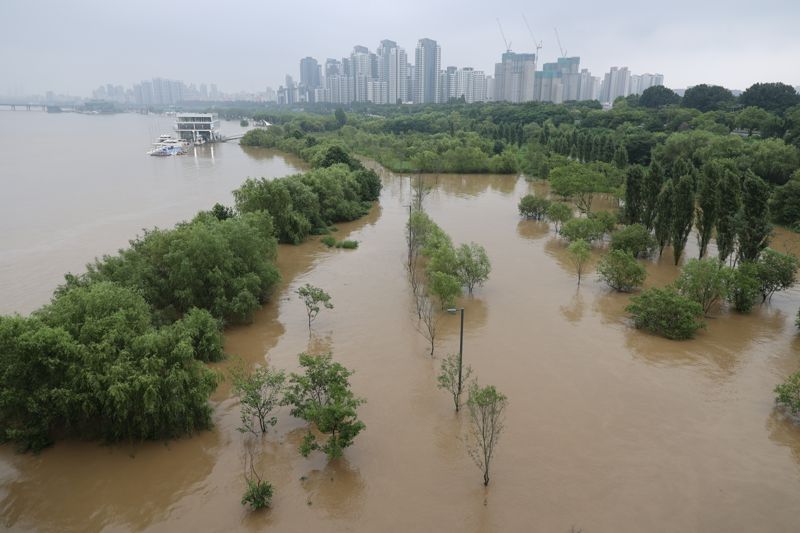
<point x="223" y="266"/>
<point x="91" y="364"/>
<point x="665" y="312"/>
<point x="621" y="271"/>
<point x="586" y="229"/>
<point x="321" y="395"/>
<point x="705" y="281"/>
<point x="534" y="207"/>
<point x="634" y="239"/>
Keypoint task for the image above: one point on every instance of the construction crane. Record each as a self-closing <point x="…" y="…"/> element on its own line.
<point x="538" y="44"/>
<point x="558" y="39"/>
<point x="507" y="43"/>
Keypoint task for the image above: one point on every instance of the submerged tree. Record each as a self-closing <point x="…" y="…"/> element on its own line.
<point x="651" y="187"/>
<point x="634" y="194"/>
<point x="579" y="253"/>
<point x="662" y="223"/>
<point x="486" y="406"/>
<point x="727" y="212"/>
<point x="312" y="298"/>
<point x="321" y="395"/>
<point x="428" y="324"/>
<point x="453" y="378"/>
<point x="258" y="494"/>
<point x="559" y="213"/>
<point x="753" y="224"/>
<point x="473" y="265"/>
<point x="682" y="215"/>
<point x="707" y="205"/>
<point x="260" y="393"/>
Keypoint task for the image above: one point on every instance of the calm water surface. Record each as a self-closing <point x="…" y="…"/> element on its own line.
<point x="608" y="429"/>
<point x="79" y="186"/>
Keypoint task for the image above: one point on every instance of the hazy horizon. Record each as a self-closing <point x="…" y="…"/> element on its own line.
<point x="243" y="46"/>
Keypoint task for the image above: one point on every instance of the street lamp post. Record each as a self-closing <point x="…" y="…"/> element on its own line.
<point x="460" y="344"/>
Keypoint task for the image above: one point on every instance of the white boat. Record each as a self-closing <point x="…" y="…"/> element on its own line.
<point x="168" y="145"/>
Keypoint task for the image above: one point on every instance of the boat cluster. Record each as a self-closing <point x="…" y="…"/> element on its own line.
<point x="168" y="145"/>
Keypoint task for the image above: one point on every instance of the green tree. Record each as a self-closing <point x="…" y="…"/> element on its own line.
<point x="473" y="265"/>
<point x="534" y="207"/>
<point x="621" y="271"/>
<point x="559" y="214"/>
<point x="705" y="281"/>
<point x="744" y="287"/>
<point x="486" y="413"/>
<point x="312" y="297"/>
<point x="729" y="199"/>
<point x="755" y="119"/>
<point x="665" y="312"/>
<point x="682" y="215"/>
<point x="579" y="253"/>
<point x="445" y="287"/>
<point x="634" y="194"/>
<point x="785" y="203"/>
<point x="621" y="157"/>
<point x="707" y="204"/>
<point x="260" y="393"/>
<point x="258" y="494"/>
<point x="775" y="272"/>
<point x="586" y="229"/>
<point x="577" y="183"/>
<point x="321" y="395"/>
<point x="651" y="187"/>
<point x="658" y="96"/>
<point x="788" y="393"/>
<point x="707" y="97"/>
<point x="453" y="378"/>
<point x="663" y="222"/>
<point x="341" y="117"/>
<point x="634" y="239"/>
<point x="773" y="97"/>
<point x="91" y="365"/>
<point x="753" y="224"/>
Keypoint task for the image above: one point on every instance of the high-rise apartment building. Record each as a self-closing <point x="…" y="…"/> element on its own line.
<point x="393" y="71"/>
<point x="427" y="63"/>
<point x="616" y="83"/>
<point x="514" y="77"/>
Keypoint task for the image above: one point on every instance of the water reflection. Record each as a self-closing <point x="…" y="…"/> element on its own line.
<point x="532" y="229"/>
<point x="128" y="484"/>
<point x="719" y="350"/>
<point x="785" y="431"/>
<point x="335" y="487"/>
<point x="573" y="311"/>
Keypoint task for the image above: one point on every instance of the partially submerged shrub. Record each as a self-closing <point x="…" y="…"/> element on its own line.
<point x="621" y="271"/>
<point x="665" y="312"/>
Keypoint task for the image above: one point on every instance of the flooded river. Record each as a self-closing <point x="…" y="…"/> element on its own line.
<point x="608" y="429"/>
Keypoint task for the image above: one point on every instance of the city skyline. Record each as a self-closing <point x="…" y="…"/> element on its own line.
<point x="251" y="46"/>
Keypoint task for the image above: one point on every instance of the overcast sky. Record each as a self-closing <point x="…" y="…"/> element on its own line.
<point x="74" y="46"/>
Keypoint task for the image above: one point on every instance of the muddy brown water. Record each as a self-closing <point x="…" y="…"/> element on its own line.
<point x="608" y="429"/>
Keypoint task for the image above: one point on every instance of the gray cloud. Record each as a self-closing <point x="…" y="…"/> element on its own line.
<point x="247" y="45"/>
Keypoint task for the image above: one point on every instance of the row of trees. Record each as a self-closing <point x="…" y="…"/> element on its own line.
<point x="439" y="272"/>
<point x="448" y="270"/>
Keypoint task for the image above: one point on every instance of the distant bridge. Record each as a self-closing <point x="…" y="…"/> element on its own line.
<point x="26" y="107"/>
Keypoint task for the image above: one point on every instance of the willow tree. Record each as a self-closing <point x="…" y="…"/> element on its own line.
<point x="682" y="215"/>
